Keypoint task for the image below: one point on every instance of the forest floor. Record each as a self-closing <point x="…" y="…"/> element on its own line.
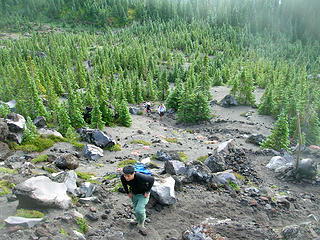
<point x="194" y="203"/>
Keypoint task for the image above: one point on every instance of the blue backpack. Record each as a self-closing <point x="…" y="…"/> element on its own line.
<point x="139" y="167"/>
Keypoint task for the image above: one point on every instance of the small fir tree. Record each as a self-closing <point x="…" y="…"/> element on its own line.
<point x="124" y="118"/>
<point x="96" y="116"/>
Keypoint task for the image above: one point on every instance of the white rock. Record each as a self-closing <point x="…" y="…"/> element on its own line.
<point x="21" y="221"/>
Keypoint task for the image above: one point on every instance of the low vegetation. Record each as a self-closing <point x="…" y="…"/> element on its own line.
<point x="114" y="148"/>
<point x="126" y="162"/>
<point x="171" y="140"/>
<point x="7" y="170"/>
<point x="41" y="158"/>
<point x="202" y="158"/>
<point x="5" y="187"/>
<point x="183" y="156"/>
<point x="140" y="142"/>
<point x="83" y="226"/>
<point x="26" y="213"/>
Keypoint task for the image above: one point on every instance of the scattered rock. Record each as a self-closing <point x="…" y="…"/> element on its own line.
<point x="277" y="162"/>
<point x="290" y="232"/>
<point x="67" y="161"/>
<point x="85" y="190"/>
<point x="163" y="191"/>
<point x="41" y="191"/>
<point x="5" y="151"/>
<point x="307" y="169"/>
<point x="228" y="101"/>
<point x="175" y="167"/>
<point x="133" y="110"/>
<point x="96" y="137"/>
<point x="21" y="221"/>
<point x="215" y="163"/>
<point x="255" y="139"/>
<point x="69" y="178"/>
<point x="16" y="122"/>
<point x="199" y="173"/>
<point x="92" y="152"/>
<point x="40" y="122"/>
<point x="47" y="132"/>
<point x="4" y="131"/>
<point x="224" y="177"/>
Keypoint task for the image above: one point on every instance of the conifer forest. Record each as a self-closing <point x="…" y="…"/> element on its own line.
<point x="111" y="53"/>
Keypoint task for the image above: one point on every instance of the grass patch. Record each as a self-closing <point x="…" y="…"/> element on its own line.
<point x="202" y="158"/>
<point x="62" y="231"/>
<point x="244" y="114"/>
<point x="110" y="176"/>
<point x="116" y="187"/>
<point x="239" y="176"/>
<point x="29" y="213"/>
<point x="189" y="131"/>
<point x="5" y="187"/>
<point x="154" y="157"/>
<point x="77" y="145"/>
<point x="85" y="176"/>
<point x="171" y="140"/>
<point x="114" y="148"/>
<point x="233" y="185"/>
<point x="2" y="226"/>
<point x="74" y="199"/>
<point x="55" y="138"/>
<point x="99" y="165"/>
<point x="83" y="226"/>
<point x="274" y="186"/>
<point x="183" y="156"/>
<point x="50" y="170"/>
<point x="41" y="158"/>
<point x="7" y="170"/>
<point x="213" y="115"/>
<point x="36" y="145"/>
<point x="140" y="142"/>
<point x="126" y="162"/>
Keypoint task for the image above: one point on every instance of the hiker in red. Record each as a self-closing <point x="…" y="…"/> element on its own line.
<point x="137" y="186"/>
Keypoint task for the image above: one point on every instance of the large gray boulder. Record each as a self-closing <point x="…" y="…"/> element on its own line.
<point x="92" y="152"/>
<point x="15" y="137"/>
<point x="16" y="122"/>
<point x="40" y="191"/>
<point x="228" y="101"/>
<point x="175" y="167"/>
<point x="224" y="177"/>
<point x="163" y="155"/>
<point x="226" y="147"/>
<point x="198" y="172"/>
<point x="307" y="168"/>
<point x="85" y="190"/>
<point x="21" y="221"/>
<point x="4" y="131"/>
<point x="67" y="161"/>
<point x="215" y="163"/>
<point x="69" y="178"/>
<point x="163" y="191"/>
<point x="47" y="132"/>
<point x="96" y="137"/>
<point x="276" y="162"/>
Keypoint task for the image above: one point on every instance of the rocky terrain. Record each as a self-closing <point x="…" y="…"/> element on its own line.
<point x="232" y="194"/>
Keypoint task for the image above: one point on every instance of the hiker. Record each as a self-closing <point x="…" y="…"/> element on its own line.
<point x="161" y="110"/>
<point x="148" y="107"/>
<point x="139" y="192"/>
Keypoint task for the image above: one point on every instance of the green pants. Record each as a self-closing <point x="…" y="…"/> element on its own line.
<point x="139" y="203"/>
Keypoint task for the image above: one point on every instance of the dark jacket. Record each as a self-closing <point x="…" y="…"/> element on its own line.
<point x="139" y="185"/>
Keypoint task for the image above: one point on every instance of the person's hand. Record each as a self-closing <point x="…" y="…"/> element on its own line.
<point x="130" y="195"/>
<point x="146" y="195"/>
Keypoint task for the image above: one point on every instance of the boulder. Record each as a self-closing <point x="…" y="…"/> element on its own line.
<point x="133" y="110"/>
<point x="21" y="221"/>
<point x="16" y="122"/>
<point x="40" y="191"/>
<point x="175" y="167"/>
<point x="228" y="101"/>
<point x="307" y="168"/>
<point x="226" y="147"/>
<point x="215" y="163"/>
<point x="92" y="152"/>
<point x="198" y="172"/>
<point x="5" y="151"/>
<point x="290" y="232"/>
<point x="163" y="155"/>
<point x="4" y="131"/>
<point x="69" y="178"/>
<point x="276" y="162"/>
<point x="15" y="137"/>
<point x="96" y="137"/>
<point x="163" y="191"/>
<point x="67" y="161"/>
<point x="85" y="190"/>
<point x="255" y="139"/>
<point x="47" y="132"/>
<point x="40" y="122"/>
<point x="224" y="177"/>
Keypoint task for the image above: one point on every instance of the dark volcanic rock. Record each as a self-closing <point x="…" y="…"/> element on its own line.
<point x="228" y="101"/>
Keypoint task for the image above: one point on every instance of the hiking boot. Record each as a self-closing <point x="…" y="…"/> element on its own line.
<point x="143" y="231"/>
<point x="132" y="222"/>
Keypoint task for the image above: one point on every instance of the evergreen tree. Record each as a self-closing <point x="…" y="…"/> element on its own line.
<point x="202" y="110"/>
<point x="164" y="86"/>
<point x="124" y="118"/>
<point x="174" y="97"/>
<point x="279" y="137"/>
<point x="96" y="116"/>
<point x="30" y="132"/>
<point x="63" y="118"/>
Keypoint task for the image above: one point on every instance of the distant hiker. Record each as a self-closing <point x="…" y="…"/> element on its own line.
<point x="148" y="107"/>
<point x="161" y="110"/>
<point x="139" y="192"/>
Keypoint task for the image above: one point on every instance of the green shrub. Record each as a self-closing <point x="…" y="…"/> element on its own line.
<point x="29" y="213"/>
<point x="239" y="176"/>
<point x="114" y="148"/>
<point x="116" y="187"/>
<point x="85" y="176"/>
<point x="55" y="138"/>
<point x="233" y="185"/>
<point x="41" y="158"/>
<point x="126" y="162"/>
<point x="140" y="142"/>
<point x="202" y="158"/>
<point x="183" y="156"/>
<point x="7" y="170"/>
<point x="171" y="140"/>
<point x="110" y="176"/>
<point x="77" y="145"/>
<point x="50" y="170"/>
<point x="36" y="145"/>
<point x="4" y="110"/>
<point x="82" y="223"/>
<point x="5" y="187"/>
